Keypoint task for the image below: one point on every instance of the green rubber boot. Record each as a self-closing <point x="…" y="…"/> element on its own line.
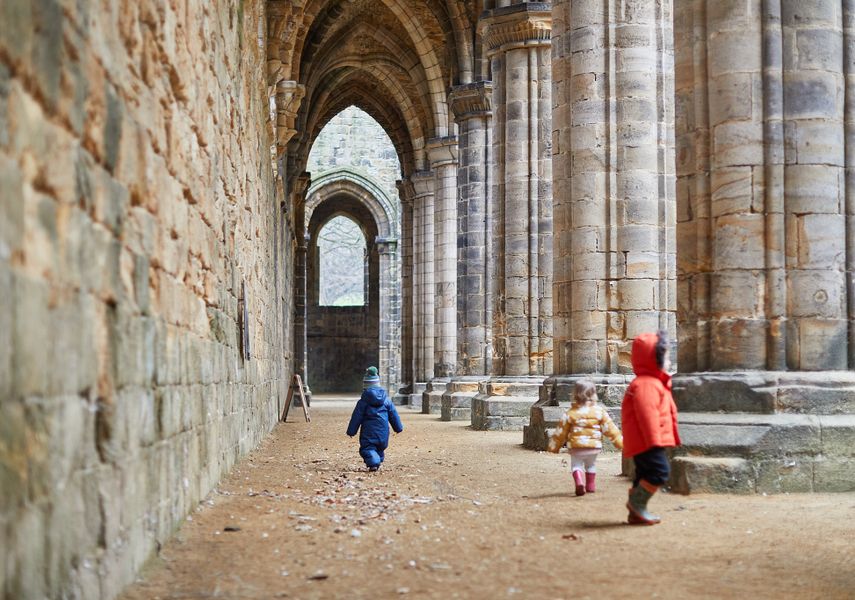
<point x="639" y="496"/>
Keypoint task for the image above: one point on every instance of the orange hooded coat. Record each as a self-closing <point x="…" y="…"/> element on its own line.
<point x="648" y="412"/>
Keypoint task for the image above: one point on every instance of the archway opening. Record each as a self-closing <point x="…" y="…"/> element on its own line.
<point x="342" y="263"/>
<point x="352" y="271"/>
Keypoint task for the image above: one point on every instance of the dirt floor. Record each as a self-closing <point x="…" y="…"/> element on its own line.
<point x="456" y="513"/>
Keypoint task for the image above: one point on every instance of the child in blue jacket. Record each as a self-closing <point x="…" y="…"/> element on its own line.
<point x="373" y="413"/>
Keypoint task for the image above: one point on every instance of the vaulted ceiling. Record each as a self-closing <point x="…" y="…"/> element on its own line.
<point x="394" y="59"/>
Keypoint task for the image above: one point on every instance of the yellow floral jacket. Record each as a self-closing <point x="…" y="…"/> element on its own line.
<point x="583" y="426"/>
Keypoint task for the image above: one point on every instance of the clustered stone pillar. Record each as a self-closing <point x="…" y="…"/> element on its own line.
<point x="614" y="201"/>
<point x="442" y="153"/>
<point x="299" y="189"/>
<point x="390" y="312"/>
<point x="406" y="193"/>
<point x="518" y="43"/>
<point x="765" y="199"/>
<point x="471" y="106"/>
<point x="423" y="281"/>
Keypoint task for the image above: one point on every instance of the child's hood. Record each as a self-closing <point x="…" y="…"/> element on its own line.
<point x="374" y="396"/>
<point x="644" y="355"/>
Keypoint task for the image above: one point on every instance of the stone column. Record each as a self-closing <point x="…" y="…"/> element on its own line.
<point x="423" y="281"/>
<point x="615" y="200"/>
<point x="472" y="110"/>
<point x="299" y="188"/>
<point x="517" y="39"/>
<point x="442" y="153"/>
<point x="406" y="193"/>
<point x="765" y="96"/>
<point x="390" y="312"/>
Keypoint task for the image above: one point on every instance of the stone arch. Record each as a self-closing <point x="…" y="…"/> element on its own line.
<point x="367" y="191"/>
<point x="424" y="36"/>
<point x="370" y="336"/>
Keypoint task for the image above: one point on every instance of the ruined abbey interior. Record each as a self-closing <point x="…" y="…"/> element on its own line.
<point x="542" y="182"/>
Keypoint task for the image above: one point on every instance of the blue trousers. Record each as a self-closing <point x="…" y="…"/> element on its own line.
<point x="372" y="454"/>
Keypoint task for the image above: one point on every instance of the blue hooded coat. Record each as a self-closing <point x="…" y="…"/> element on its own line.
<point x="373" y="414"/>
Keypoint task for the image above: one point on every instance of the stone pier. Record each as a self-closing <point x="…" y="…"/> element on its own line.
<point x="613" y="167"/>
<point x="471" y="104"/>
<point x="518" y="43"/>
<point x="765" y="246"/>
<point x="442" y="153"/>
<point x="406" y="193"/>
<point x="423" y="281"/>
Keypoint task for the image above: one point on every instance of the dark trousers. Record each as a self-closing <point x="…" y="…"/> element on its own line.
<point x="652" y="466"/>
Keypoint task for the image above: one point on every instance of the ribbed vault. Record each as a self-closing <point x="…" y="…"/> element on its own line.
<point x="394" y="59"/>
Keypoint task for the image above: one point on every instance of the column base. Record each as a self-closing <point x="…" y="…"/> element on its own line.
<point x="555" y="397"/>
<point x="402" y="396"/>
<point x="414" y="400"/>
<point x="765" y="432"/>
<point x="457" y="399"/>
<point x="432" y="396"/>
<point x="504" y="403"/>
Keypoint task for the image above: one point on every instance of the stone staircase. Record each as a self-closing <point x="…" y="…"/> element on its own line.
<point x="765" y="432"/>
<point x="748" y="432"/>
<point x="503" y="403"/>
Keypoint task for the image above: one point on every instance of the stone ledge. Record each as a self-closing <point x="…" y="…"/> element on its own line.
<point x="699" y="474"/>
<point x="457" y="399"/>
<point x="783" y="453"/>
<point x="500" y="412"/>
<point x="802" y="392"/>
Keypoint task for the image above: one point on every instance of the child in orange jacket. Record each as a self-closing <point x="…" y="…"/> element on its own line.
<point x="649" y="422"/>
<point x="583" y="426"/>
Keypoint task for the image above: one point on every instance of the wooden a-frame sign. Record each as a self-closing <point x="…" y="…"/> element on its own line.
<point x="299" y="383"/>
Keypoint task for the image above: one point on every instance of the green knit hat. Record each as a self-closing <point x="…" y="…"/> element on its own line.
<point x="372" y="377"/>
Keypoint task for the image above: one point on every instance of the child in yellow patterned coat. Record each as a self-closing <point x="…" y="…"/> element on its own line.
<point x="582" y="428"/>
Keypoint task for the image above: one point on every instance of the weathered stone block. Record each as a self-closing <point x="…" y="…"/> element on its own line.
<point x="787" y="475"/>
<point x="816" y="294"/>
<point x="833" y="475"/>
<point x="30" y="336"/>
<point x="697" y="474"/>
<point x="739" y="242"/>
<point x="818" y="343"/>
<point x="739" y="343"/>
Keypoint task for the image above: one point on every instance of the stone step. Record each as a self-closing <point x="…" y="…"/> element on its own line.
<point x="501" y="412"/>
<point x="767" y="392"/>
<point x="457" y="400"/>
<point x="744" y="452"/>
<point x="741" y="453"/>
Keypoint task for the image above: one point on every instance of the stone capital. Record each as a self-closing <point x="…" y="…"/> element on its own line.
<point x="289" y="96"/>
<point x="423" y="184"/>
<point x="471" y="100"/>
<point x="442" y="151"/>
<point x="301" y="184"/>
<point x="386" y="245"/>
<point x="406" y="191"/>
<point x="528" y="24"/>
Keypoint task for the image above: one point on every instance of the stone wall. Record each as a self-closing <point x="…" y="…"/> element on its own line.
<point x="353" y="139"/>
<point x="136" y="197"/>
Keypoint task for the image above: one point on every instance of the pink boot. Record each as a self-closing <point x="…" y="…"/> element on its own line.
<point x="590" y="487"/>
<point x="580" y="484"/>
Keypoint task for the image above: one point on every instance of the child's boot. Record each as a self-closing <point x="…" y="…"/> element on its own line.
<point x="580" y="483"/>
<point x="590" y="484"/>
<point x="639" y="496"/>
